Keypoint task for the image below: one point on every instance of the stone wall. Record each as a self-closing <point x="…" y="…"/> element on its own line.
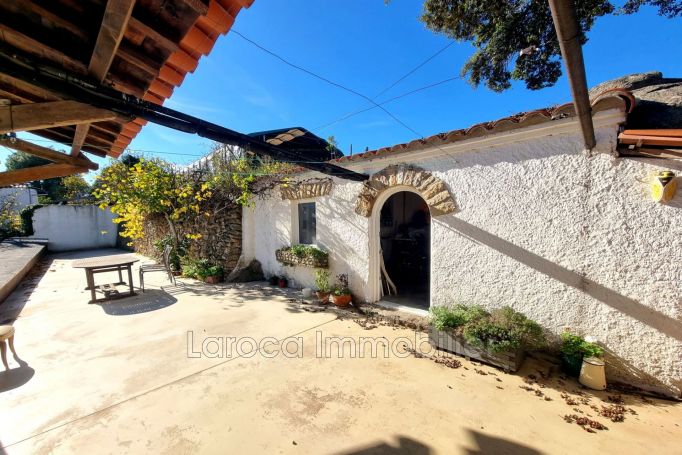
<point x="220" y="242"/>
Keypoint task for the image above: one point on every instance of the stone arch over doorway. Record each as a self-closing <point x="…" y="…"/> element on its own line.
<point x="434" y="191"/>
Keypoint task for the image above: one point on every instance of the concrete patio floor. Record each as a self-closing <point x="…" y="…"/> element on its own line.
<point x="119" y="377"/>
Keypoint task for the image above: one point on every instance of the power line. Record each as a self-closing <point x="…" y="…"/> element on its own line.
<point x="396" y="82"/>
<point x="336" y="84"/>
<point x="329" y="81"/>
<point x="351" y="114"/>
<point x="354" y="113"/>
<point x="413" y="70"/>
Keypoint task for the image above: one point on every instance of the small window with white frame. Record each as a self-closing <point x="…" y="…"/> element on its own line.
<point x="307" y="224"/>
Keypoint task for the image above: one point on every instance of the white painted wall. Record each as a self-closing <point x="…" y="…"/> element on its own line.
<point x="75" y="227"/>
<point x="570" y="240"/>
<point x="20" y="197"/>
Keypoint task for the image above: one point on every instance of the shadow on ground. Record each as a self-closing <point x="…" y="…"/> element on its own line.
<point x="405" y="445"/>
<point x="150" y="300"/>
<point x="16" y="377"/>
<point x="488" y="444"/>
<point x="485" y="444"/>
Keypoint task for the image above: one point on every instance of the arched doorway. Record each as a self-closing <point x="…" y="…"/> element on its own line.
<point x="380" y="187"/>
<point x="405" y="248"/>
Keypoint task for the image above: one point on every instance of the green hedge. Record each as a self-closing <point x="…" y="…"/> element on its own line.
<point x="26" y="215"/>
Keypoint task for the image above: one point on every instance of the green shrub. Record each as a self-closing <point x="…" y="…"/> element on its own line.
<point x="27" y="218"/>
<point x="177" y="254"/>
<point x="576" y="346"/>
<point x="504" y="330"/>
<point x="312" y="251"/>
<point x="322" y="280"/>
<point x="200" y="269"/>
<point x="10" y="225"/>
<point x="446" y="318"/>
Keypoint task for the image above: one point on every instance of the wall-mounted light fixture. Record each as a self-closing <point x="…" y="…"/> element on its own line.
<point x="663" y="186"/>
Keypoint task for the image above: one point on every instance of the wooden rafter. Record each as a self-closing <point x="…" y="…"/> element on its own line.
<point x="32" y="46"/>
<point x="143" y="29"/>
<point x="651" y="152"/>
<point x="58" y="136"/>
<point x="200" y="6"/>
<point x="116" y="17"/>
<point x="47" y="171"/>
<point x="57" y="20"/>
<point x="48" y="154"/>
<point x="36" y="116"/>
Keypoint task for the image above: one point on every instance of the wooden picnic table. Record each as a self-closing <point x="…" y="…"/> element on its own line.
<point x="103" y="264"/>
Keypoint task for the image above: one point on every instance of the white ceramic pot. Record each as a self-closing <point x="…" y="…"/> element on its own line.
<point x="592" y="373"/>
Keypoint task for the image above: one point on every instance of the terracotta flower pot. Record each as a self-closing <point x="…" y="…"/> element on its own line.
<point x="212" y="279"/>
<point x="323" y="297"/>
<point x="341" y="300"/>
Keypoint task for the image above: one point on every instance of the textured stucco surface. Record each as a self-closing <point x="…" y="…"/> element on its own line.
<point x="569" y="239"/>
<point x="75" y="227"/>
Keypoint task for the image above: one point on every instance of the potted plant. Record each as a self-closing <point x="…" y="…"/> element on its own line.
<point x="573" y="349"/>
<point x="498" y="338"/>
<point x="203" y="270"/>
<point x="322" y="283"/>
<point x="303" y="255"/>
<point x="213" y="274"/>
<point x="282" y="282"/>
<point x="341" y="295"/>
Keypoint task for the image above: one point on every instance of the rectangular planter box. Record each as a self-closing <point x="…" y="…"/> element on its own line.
<point x="450" y="342"/>
<point x="288" y="258"/>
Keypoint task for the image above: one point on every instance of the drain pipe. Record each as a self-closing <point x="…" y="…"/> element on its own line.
<point x="566" y="26"/>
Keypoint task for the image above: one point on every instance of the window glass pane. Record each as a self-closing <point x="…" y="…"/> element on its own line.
<point x="306" y="223"/>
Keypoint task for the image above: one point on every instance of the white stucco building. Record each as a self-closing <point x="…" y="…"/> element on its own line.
<point x="18" y="197"/>
<point x="513" y="212"/>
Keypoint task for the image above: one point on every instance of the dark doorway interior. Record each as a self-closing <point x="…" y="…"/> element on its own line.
<point x="405" y="234"/>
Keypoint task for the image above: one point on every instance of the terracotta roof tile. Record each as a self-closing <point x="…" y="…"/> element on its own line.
<point x="198" y="41"/>
<point x="613" y="99"/>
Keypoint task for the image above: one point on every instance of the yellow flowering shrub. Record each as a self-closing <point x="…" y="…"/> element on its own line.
<point x="146" y="188"/>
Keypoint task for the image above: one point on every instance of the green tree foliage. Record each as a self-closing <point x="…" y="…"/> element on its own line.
<point x="500" y="30"/>
<point x="52" y="187"/>
<point x="74" y="188"/>
<point x="239" y="176"/>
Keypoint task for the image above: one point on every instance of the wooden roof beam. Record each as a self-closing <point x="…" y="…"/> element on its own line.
<point x="164" y="41"/>
<point x="62" y="137"/>
<point x="36" y="116"/>
<point x="200" y="6"/>
<point x="48" y="154"/>
<point x="31" y="46"/>
<point x="30" y="174"/>
<point x="116" y="17"/>
<point x="56" y="19"/>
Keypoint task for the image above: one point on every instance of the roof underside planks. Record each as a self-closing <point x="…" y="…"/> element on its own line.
<point x="144" y="48"/>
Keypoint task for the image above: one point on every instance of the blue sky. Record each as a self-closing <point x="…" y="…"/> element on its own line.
<point x="367" y="45"/>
